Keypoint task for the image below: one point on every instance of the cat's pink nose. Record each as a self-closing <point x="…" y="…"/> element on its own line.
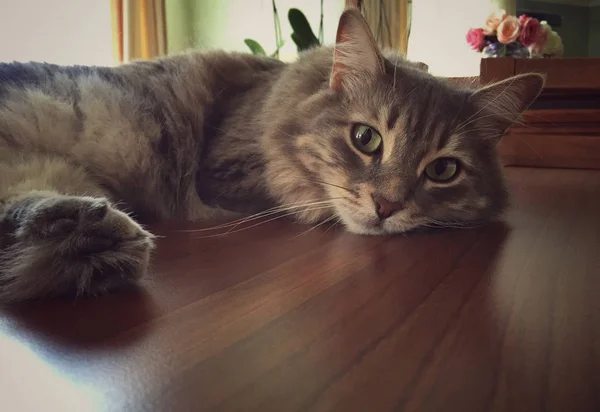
<point x="384" y="207"/>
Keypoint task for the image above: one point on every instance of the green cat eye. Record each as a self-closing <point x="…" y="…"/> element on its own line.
<point x="366" y="139"/>
<point x="442" y="170"/>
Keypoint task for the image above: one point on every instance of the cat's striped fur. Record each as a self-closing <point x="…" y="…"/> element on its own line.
<point x="193" y="135"/>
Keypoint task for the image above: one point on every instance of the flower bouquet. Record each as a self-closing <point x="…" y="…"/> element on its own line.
<point x="509" y="36"/>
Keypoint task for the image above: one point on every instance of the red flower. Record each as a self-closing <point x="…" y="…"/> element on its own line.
<point x="531" y="30"/>
<point x="475" y="39"/>
<point x="522" y="18"/>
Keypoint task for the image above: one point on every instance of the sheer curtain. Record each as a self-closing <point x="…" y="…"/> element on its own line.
<point x="388" y="21"/>
<point x="438" y="30"/>
<point x="139" y="29"/>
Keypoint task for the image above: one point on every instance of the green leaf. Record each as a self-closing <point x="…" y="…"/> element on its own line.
<point x="301" y="43"/>
<point x="302" y="33"/>
<point x="278" y="49"/>
<point x="255" y="47"/>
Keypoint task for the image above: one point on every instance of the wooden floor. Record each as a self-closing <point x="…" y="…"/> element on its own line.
<point x="498" y="318"/>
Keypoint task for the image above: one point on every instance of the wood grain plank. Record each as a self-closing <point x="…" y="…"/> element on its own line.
<point x="550" y="150"/>
<point x="496" y="69"/>
<point x="553" y="118"/>
<point x="564" y="73"/>
<point x="503" y="317"/>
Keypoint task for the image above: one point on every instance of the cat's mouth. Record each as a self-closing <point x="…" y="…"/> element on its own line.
<point x="375" y="226"/>
<point x="367" y="226"/>
<point x="359" y="222"/>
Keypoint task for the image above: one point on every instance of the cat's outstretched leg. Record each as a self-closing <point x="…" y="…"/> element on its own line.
<point x="54" y="241"/>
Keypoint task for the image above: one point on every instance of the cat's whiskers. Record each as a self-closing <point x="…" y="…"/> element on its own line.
<point x="437" y="224"/>
<point x="337" y="222"/>
<point x="329" y="219"/>
<point x="294" y="207"/>
<point x="333" y="185"/>
<point x="324" y="207"/>
<point x="290" y="211"/>
<point x="246" y="219"/>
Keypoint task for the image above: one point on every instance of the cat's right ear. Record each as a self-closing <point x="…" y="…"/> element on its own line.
<point x="506" y="100"/>
<point x="356" y="56"/>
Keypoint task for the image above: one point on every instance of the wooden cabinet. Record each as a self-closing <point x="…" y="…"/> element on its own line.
<point x="562" y="128"/>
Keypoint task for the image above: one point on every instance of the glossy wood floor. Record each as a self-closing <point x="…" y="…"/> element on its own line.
<point x="498" y="318"/>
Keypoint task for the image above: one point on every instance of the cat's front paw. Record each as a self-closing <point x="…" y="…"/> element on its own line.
<point x="71" y="245"/>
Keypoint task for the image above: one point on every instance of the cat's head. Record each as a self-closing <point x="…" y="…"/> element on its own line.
<point x="395" y="148"/>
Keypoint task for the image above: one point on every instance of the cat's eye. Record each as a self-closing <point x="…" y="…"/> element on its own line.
<point x="366" y="139"/>
<point x="442" y="170"/>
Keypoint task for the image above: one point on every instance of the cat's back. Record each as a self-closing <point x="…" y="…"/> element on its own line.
<point x="165" y="92"/>
<point x="36" y="74"/>
<point x="138" y="125"/>
<point x="184" y="73"/>
<point x="18" y="80"/>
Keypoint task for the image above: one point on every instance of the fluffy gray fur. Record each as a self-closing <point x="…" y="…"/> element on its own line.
<point x="194" y="135"/>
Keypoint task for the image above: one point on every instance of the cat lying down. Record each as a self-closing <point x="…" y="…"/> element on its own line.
<point x="342" y="133"/>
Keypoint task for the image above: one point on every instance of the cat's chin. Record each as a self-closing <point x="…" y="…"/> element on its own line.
<point x="377" y="228"/>
<point x="369" y="228"/>
<point x="367" y="231"/>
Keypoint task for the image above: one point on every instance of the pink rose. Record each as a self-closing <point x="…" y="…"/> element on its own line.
<point x="508" y="30"/>
<point x="475" y="39"/>
<point x="531" y="30"/>
<point x="522" y="18"/>
<point x="493" y="21"/>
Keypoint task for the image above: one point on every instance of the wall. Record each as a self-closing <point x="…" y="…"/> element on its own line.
<point x="594" y="37"/>
<point x="575" y="24"/>
<point x="219" y="24"/>
<point x="57" y="31"/>
<point x="438" y="33"/>
<point x="180" y="25"/>
<point x="210" y="24"/>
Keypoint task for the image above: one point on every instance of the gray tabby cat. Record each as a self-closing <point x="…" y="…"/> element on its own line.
<point x="342" y="132"/>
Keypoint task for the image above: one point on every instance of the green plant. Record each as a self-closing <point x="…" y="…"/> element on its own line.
<point x="302" y="34"/>
<point x="255" y="47"/>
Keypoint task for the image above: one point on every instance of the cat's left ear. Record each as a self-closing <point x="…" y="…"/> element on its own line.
<point x="508" y="99"/>
<point x="356" y="56"/>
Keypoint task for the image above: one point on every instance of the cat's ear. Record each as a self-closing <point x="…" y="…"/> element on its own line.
<point x="508" y="99"/>
<point x="356" y="55"/>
